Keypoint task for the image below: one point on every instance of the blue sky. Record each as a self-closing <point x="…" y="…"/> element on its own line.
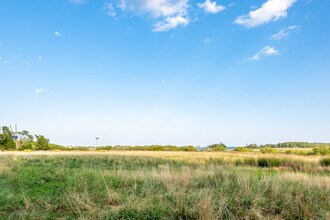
<point x="166" y="71"/>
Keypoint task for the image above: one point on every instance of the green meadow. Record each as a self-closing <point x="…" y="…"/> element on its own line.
<point x="163" y="185"/>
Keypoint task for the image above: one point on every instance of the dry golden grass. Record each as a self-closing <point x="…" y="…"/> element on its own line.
<point x="193" y="157"/>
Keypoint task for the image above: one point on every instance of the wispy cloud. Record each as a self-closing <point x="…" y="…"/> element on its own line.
<point x="284" y="33"/>
<point x="40" y="58"/>
<point x="57" y="34"/>
<point x="3" y="61"/>
<point x="108" y="7"/>
<point x="271" y="10"/>
<point x="39" y="90"/>
<point x="294" y="27"/>
<point x="211" y="7"/>
<point x="208" y="41"/>
<point x="264" y="52"/>
<point x="77" y="2"/>
<point x="167" y="14"/>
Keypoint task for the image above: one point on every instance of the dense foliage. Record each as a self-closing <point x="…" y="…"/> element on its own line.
<point x="150" y="148"/>
<point x="288" y="145"/>
<point x="216" y="147"/>
<point x="242" y="149"/>
<point x="22" y="140"/>
<point x="6" y="139"/>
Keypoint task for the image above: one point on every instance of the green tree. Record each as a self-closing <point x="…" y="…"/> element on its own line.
<point x="42" y="143"/>
<point x="6" y="139"/>
<point x="25" y="135"/>
<point x="216" y="147"/>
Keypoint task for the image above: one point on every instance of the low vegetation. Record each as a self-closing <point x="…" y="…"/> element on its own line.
<point x="242" y="149"/>
<point x="149" y="148"/>
<point x="162" y="185"/>
<point x="216" y="147"/>
<point x="289" y="145"/>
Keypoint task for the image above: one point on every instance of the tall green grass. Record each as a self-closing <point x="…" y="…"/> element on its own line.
<point x="122" y="187"/>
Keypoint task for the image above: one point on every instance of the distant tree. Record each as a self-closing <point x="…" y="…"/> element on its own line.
<point x="42" y="143"/>
<point x="25" y="135"/>
<point x="251" y="146"/>
<point x="321" y="150"/>
<point x="216" y="147"/>
<point x="6" y="139"/>
<point x="25" y="140"/>
<point x="242" y="149"/>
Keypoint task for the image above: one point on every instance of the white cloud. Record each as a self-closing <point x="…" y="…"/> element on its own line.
<point x="168" y="14"/>
<point x="39" y="91"/>
<point x="57" y="34"/>
<point x="0" y="58"/>
<point x="284" y="33"/>
<point x="77" y="2"/>
<point x="294" y="27"/>
<point x="211" y="7"/>
<point x="108" y="7"/>
<point x="158" y="8"/>
<point x="264" y="52"/>
<point x="5" y="62"/>
<point x="208" y="41"/>
<point x="271" y="10"/>
<point x="170" y="23"/>
<point x="40" y="58"/>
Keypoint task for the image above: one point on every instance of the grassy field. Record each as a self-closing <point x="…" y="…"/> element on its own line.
<point x="162" y="185"/>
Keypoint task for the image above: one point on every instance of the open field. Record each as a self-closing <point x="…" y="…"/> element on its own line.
<point x="162" y="185"/>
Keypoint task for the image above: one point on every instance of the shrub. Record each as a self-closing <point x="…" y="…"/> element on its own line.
<point x="26" y="146"/>
<point x="42" y="143"/>
<point x="322" y="150"/>
<point x="242" y="149"/>
<point x="188" y="148"/>
<point x="216" y="147"/>
<point x="325" y="162"/>
<point x="268" y="150"/>
<point x="270" y="162"/>
<point x="105" y="148"/>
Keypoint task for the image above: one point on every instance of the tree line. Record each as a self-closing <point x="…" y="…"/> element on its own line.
<point x="22" y="140"/>
<point x="288" y="145"/>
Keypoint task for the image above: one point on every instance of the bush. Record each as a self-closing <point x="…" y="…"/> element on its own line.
<point x="242" y="149"/>
<point x="42" y="143"/>
<point x="270" y="162"/>
<point x="325" y="162"/>
<point x="322" y="150"/>
<point x="216" y="147"/>
<point x="26" y="146"/>
<point x="268" y="150"/>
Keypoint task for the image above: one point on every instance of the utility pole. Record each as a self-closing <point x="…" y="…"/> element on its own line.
<point x="97" y="141"/>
